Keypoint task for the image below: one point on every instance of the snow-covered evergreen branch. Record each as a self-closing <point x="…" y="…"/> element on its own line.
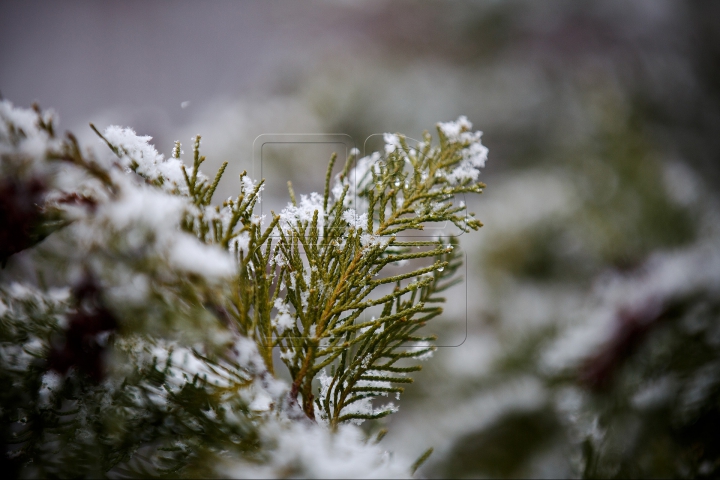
<point x="138" y="327"/>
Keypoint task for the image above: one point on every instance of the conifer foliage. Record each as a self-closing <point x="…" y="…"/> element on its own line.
<point x="143" y="328"/>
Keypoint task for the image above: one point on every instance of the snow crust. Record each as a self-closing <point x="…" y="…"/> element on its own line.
<point x="291" y="215"/>
<point x="137" y="150"/>
<point x="474" y="153"/>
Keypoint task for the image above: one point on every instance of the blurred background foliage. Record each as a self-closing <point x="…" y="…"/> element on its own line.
<point x="601" y="216"/>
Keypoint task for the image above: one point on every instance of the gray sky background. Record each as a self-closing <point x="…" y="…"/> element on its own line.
<point x="85" y="57"/>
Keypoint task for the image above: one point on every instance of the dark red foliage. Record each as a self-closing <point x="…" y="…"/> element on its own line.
<point x="78" y="199"/>
<point x="631" y="329"/>
<point x="87" y="334"/>
<point x="20" y="213"/>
